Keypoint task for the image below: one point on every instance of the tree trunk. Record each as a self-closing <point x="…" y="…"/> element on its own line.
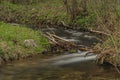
<point x="67" y="6"/>
<point x="72" y="8"/>
<point x="75" y="10"/>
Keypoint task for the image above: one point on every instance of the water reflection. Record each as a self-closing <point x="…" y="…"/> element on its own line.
<point x="38" y="69"/>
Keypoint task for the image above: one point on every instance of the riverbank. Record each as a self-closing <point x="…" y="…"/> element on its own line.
<point x="17" y="42"/>
<point x="100" y="15"/>
<point x="36" y="14"/>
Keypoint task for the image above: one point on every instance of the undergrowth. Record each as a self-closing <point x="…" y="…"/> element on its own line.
<point x="12" y="41"/>
<point x="43" y="12"/>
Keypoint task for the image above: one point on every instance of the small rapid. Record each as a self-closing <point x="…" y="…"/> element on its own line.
<point x="72" y="58"/>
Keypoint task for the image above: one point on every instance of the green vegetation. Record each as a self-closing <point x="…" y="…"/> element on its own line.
<point x="107" y="20"/>
<point x="98" y="14"/>
<point x="43" y="12"/>
<point x="12" y="39"/>
<point x="101" y="15"/>
<point x="72" y="51"/>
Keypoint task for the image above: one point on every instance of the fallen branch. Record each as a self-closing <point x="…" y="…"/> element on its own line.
<point x="64" y="44"/>
<point x="98" y="32"/>
<point x="57" y="37"/>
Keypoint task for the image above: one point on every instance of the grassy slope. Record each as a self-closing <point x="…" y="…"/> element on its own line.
<point x="107" y="19"/>
<point x="101" y="14"/>
<point x="12" y="41"/>
<point x="51" y="11"/>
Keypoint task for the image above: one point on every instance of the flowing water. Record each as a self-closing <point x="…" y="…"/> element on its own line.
<point x="63" y="67"/>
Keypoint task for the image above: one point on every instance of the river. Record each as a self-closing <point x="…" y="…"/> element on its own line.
<point x="66" y="66"/>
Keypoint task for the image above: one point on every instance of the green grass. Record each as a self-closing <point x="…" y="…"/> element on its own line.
<point x="99" y="13"/>
<point x="12" y="41"/>
<point x="51" y="12"/>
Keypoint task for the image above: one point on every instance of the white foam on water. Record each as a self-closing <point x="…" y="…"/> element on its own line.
<point x="71" y="58"/>
<point x="74" y="59"/>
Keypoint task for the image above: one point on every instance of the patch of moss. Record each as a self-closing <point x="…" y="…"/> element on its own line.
<point x="72" y="51"/>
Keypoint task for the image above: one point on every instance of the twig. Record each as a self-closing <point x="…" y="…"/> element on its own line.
<point x="60" y="38"/>
<point x="51" y="40"/>
<point x="117" y="69"/>
<point x="99" y="32"/>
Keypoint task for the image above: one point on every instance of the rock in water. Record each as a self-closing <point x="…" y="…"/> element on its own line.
<point x="30" y="43"/>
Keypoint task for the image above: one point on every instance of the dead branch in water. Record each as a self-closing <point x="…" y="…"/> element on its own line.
<point x="99" y="32"/>
<point x="64" y="44"/>
<point x="103" y="55"/>
<point x="58" y="44"/>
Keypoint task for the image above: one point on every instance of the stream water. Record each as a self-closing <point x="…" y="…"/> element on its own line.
<point x="63" y="67"/>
